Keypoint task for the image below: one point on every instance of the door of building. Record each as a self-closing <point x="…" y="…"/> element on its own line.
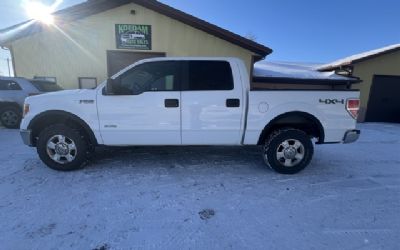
<point x="384" y="101"/>
<point x="118" y="60"/>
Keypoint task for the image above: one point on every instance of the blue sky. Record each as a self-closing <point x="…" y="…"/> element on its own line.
<point x="301" y="31"/>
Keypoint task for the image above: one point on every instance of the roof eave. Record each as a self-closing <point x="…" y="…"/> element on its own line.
<point x="363" y="59"/>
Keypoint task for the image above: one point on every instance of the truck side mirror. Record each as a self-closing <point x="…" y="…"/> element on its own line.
<point x="111" y="87"/>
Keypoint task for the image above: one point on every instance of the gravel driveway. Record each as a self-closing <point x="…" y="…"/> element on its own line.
<point x="204" y="198"/>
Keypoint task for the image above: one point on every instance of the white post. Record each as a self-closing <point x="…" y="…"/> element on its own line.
<point x="8" y="64"/>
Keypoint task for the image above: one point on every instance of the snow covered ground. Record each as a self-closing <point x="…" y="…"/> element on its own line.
<point x="204" y="198"/>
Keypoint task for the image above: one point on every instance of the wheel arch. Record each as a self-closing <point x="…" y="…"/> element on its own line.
<point x="298" y="120"/>
<point x="44" y="119"/>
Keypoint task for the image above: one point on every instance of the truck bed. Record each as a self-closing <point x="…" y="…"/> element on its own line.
<point x="329" y="106"/>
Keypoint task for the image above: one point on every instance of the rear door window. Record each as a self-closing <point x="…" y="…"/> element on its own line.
<point x="208" y="75"/>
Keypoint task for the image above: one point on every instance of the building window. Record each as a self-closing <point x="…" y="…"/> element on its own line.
<point x="87" y="82"/>
<point x="46" y="78"/>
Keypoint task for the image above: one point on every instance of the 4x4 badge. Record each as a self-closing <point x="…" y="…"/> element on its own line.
<point x="331" y="101"/>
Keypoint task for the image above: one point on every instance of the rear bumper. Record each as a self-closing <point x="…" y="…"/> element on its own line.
<point x="351" y="136"/>
<point x="26" y="136"/>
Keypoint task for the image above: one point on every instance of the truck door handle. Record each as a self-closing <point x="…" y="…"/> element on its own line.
<point x="171" y="103"/>
<point x="233" y="103"/>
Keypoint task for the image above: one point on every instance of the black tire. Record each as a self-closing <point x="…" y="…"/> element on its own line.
<point x="81" y="145"/>
<point x="10" y="116"/>
<point x="282" y="149"/>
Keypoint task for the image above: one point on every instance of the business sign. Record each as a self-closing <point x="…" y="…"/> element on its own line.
<point x="133" y="36"/>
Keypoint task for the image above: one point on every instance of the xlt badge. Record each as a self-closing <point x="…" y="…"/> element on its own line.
<point x="86" y="101"/>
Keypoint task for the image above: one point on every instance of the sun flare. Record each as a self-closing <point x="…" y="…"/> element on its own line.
<point x="39" y="11"/>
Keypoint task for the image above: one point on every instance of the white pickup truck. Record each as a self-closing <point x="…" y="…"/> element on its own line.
<point x="187" y="101"/>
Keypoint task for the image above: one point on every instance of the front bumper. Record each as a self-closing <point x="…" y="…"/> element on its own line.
<point x="26" y="137"/>
<point x="351" y="136"/>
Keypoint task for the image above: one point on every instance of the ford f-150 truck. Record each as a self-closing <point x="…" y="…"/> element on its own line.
<point x="187" y="101"/>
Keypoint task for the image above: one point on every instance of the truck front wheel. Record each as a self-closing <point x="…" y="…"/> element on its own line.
<point x="62" y="148"/>
<point x="288" y="151"/>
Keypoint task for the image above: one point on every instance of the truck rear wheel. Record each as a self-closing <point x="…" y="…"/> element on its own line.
<point x="288" y="151"/>
<point x="62" y="148"/>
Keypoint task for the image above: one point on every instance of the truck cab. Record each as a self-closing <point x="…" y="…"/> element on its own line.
<point x="174" y="102"/>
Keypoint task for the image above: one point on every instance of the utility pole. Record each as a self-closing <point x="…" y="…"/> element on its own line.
<point x="8" y="65"/>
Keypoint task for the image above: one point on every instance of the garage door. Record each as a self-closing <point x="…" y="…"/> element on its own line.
<point x="384" y="100"/>
<point x="117" y="60"/>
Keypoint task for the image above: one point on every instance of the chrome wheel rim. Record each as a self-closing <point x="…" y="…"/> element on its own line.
<point x="61" y="149"/>
<point x="9" y="118"/>
<point x="290" y="152"/>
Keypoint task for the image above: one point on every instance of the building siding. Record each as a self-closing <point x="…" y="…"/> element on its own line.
<point x="78" y="49"/>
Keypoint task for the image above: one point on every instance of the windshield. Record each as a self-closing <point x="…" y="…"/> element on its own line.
<point x="46" y="86"/>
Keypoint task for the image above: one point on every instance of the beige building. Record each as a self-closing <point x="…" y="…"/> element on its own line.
<point x="380" y="90"/>
<point x="90" y="41"/>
